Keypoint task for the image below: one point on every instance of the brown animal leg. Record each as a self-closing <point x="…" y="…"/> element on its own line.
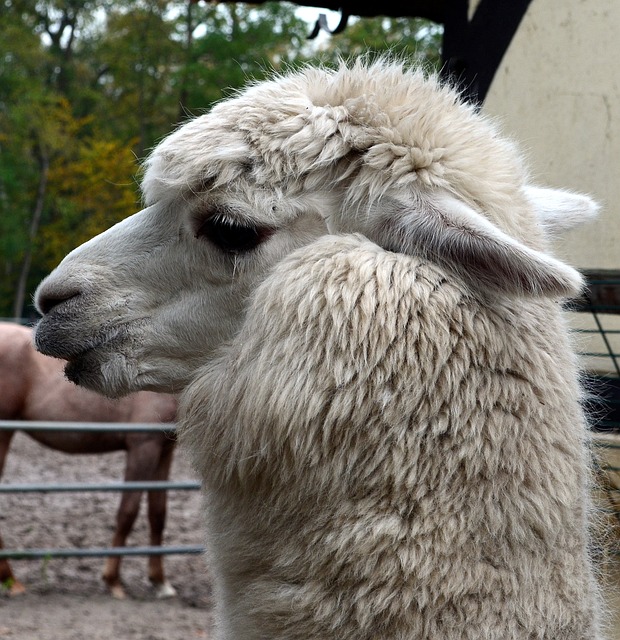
<point x="7" y="577"/>
<point x="125" y="518"/>
<point x="157" y="502"/>
<point x="143" y="461"/>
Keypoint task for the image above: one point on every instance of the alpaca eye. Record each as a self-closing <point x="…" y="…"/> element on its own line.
<point x="230" y="236"/>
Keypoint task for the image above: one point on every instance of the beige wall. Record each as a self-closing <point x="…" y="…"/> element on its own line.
<point x="557" y="92"/>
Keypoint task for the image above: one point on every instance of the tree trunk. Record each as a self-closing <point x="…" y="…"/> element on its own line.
<point x="189" y="38"/>
<point x="35" y="221"/>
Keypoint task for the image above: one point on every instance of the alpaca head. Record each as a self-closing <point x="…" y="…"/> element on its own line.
<point x="373" y="148"/>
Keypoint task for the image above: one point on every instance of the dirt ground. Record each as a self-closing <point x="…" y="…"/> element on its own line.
<point x="66" y="598"/>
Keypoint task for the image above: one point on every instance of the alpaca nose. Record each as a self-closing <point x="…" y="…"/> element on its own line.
<point x="48" y="296"/>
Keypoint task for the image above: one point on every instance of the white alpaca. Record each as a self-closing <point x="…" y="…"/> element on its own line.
<point x="347" y="273"/>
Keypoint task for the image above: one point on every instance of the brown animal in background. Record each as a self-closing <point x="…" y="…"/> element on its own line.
<point x="33" y="387"/>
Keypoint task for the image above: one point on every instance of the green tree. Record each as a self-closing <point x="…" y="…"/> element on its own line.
<point x="234" y="42"/>
<point x="86" y="88"/>
<point x="89" y="191"/>
<point x="27" y="131"/>
<point x="37" y="127"/>
<point x="413" y="39"/>
<point x="136" y="57"/>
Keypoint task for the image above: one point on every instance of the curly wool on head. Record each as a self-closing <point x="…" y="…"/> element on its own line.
<point x="373" y="127"/>
<point x="382" y="137"/>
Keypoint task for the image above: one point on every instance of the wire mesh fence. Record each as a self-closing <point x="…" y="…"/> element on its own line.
<point x="596" y="326"/>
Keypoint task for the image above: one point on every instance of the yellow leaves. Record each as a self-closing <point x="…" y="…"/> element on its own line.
<point x="50" y="120"/>
<point x="88" y="192"/>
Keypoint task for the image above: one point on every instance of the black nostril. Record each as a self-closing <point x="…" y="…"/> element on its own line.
<point x="45" y="302"/>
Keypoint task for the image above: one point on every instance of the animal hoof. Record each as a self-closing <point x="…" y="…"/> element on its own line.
<point x="117" y="592"/>
<point x="16" y="589"/>
<point x="165" y="590"/>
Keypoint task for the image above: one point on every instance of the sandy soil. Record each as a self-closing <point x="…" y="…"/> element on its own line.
<point x="66" y="599"/>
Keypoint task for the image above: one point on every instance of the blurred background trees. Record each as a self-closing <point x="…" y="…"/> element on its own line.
<point x="87" y="87"/>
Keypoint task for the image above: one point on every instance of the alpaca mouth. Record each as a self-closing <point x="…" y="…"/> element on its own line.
<point x="67" y="341"/>
<point x="103" y="367"/>
<point x="85" y="354"/>
<point x="100" y="360"/>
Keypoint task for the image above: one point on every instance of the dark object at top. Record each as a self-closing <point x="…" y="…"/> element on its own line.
<point x="473" y="47"/>
<point x="602" y="293"/>
<point x="431" y="9"/>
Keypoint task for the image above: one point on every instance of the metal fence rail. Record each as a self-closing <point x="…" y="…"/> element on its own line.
<point x="601" y="302"/>
<point x="599" y="307"/>
<point x="39" y="554"/>
<point x="44" y="425"/>
<point x="78" y="487"/>
<point x="35" y="554"/>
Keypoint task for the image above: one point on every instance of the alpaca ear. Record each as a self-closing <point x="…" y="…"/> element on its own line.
<point x="452" y="233"/>
<point x="558" y="210"/>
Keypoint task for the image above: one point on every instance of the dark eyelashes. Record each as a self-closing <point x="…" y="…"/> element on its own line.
<point x="230" y="236"/>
